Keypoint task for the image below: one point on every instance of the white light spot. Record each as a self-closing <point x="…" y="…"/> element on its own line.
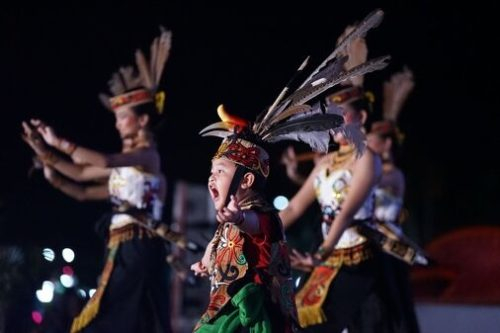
<point x="46" y="294"/>
<point x="48" y="254"/>
<point x="297" y="282"/>
<point x="48" y="285"/>
<point x="68" y="255"/>
<point x="91" y="292"/>
<point x="82" y="293"/>
<point x="280" y="202"/>
<point x="67" y="280"/>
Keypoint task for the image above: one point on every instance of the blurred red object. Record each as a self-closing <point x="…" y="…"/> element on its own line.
<point x="465" y="268"/>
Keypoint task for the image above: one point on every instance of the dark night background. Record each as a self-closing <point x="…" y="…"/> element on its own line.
<point x="56" y="59"/>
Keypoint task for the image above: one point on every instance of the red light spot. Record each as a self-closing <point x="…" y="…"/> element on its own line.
<point x="68" y="270"/>
<point x="37" y="317"/>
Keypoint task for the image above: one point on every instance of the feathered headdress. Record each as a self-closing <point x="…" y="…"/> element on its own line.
<point x="352" y="90"/>
<point x="298" y="114"/>
<point x="396" y="91"/>
<point x="134" y="86"/>
<point x="357" y="53"/>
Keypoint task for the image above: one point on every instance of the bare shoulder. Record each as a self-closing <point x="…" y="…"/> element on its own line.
<point x="370" y="156"/>
<point x="369" y="159"/>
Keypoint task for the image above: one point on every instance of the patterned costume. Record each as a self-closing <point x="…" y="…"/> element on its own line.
<point x="299" y="115"/>
<point x="327" y="296"/>
<point x="251" y="283"/>
<point x="388" y="206"/>
<point x="353" y="287"/>
<point x="389" y="196"/>
<point x="132" y="293"/>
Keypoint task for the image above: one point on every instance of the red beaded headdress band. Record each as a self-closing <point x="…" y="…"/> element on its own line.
<point x="133" y="98"/>
<point x="346" y="95"/>
<point x="244" y="153"/>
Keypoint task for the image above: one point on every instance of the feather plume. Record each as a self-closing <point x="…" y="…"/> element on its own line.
<point x="396" y="91"/>
<point x="318" y="140"/>
<point x="315" y="134"/>
<point x="291" y="116"/>
<point x="314" y="89"/>
<point x="146" y="74"/>
<point x="275" y="114"/>
<point x="333" y="69"/>
<point x="153" y="55"/>
<point x="104" y="98"/>
<point x="131" y="80"/>
<point x="357" y="53"/>
<point x="116" y="85"/>
<point x="290" y="112"/>
<point x="281" y="95"/>
<point x="372" y="20"/>
<point x="304" y="110"/>
<point x="162" y="54"/>
<point x="317" y="122"/>
<point x="142" y="66"/>
<point x="329" y="73"/>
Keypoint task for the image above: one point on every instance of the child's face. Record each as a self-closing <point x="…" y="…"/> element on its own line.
<point x="219" y="181"/>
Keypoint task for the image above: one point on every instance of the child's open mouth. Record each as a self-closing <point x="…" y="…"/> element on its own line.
<point x="213" y="192"/>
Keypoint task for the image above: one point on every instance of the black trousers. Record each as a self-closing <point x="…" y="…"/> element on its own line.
<point x="366" y="298"/>
<point x="136" y="298"/>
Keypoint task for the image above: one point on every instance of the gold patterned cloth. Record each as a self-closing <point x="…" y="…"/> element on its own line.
<point x="310" y="298"/>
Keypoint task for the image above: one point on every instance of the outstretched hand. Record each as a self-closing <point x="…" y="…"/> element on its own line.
<point x="199" y="269"/>
<point x="289" y="160"/>
<point x="33" y="139"/>
<point x="231" y="213"/>
<point x="47" y="132"/>
<point x="302" y="262"/>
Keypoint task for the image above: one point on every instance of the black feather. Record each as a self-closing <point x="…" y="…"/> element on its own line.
<point x="317" y="122"/>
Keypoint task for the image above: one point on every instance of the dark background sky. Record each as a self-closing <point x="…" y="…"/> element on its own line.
<point x="56" y="59"/>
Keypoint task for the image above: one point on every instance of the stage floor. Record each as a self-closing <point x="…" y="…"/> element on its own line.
<point x="454" y="318"/>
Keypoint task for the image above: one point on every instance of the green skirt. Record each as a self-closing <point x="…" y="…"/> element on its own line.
<point x="246" y="309"/>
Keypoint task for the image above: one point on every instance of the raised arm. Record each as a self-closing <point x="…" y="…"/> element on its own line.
<point x="76" y="191"/>
<point x="146" y="158"/>
<point x="366" y="173"/>
<point x="290" y="161"/>
<point x="48" y="157"/>
<point x="300" y="202"/>
<point x="76" y="172"/>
